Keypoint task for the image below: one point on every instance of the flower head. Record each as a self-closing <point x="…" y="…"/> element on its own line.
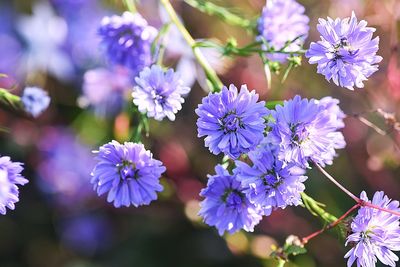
<point x="375" y="233"/>
<point x="283" y="21"/>
<point x="346" y="53"/>
<point x="270" y="183"/>
<point x="127" y="40"/>
<point x="307" y="130"/>
<point x="225" y="205"/>
<point x="233" y="122"/>
<point x="128" y="173"/>
<point x="159" y="93"/>
<point x="10" y="177"/>
<point x="35" y="100"/>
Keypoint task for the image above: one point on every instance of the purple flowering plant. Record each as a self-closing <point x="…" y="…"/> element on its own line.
<point x="266" y="151"/>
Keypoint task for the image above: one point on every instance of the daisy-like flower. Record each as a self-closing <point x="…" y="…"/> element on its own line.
<point x="283" y="21"/>
<point x="10" y="177"/>
<point x="346" y="53"/>
<point x="270" y="183"/>
<point x="375" y="233"/>
<point x="225" y="205"/>
<point x="232" y="122"/>
<point x="159" y="93"/>
<point x="127" y="40"/>
<point x="306" y="130"/>
<point x="35" y="100"/>
<point x="128" y="173"/>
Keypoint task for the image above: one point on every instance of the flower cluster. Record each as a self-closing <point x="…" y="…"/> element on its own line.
<point x="346" y="53"/>
<point x="307" y="130"/>
<point x="10" y="177"/>
<point x="127" y="40"/>
<point x="232" y="122"/>
<point x="128" y="173"/>
<point x="159" y="93"/>
<point x="375" y="233"/>
<point x="283" y="25"/>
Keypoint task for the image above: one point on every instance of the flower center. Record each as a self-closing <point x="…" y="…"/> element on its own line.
<point x="231" y="122"/>
<point x="299" y="134"/>
<point x="157" y="98"/>
<point x="343" y="49"/>
<point x="127" y="170"/>
<point x="232" y="198"/>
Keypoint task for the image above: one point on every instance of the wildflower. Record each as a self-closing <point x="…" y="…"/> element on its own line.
<point x="232" y="122"/>
<point x="375" y="233"/>
<point x="128" y="173"/>
<point x="346" y="53"/>
<point x="35" y="100"/>
<point x="283" y="24"/>
<point x="127" y="40"/>
<point x="10" y="177"/>
<point x="269" y="182"/>
<point x="307" y="130"/>
<point x="159" y="93"/>
<point x="225" y="205"/>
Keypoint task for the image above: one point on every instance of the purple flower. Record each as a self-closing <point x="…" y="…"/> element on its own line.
<point x="283" y="21"/>
<point x="128" y="173"/>
<point x="10" y="177"/>
<point x="35" y="100"/>
<point x="270" y="183"/>
<point x="225" y="205"/>
<point x="375" y="233"/>
<point x="59" y="150"/>
<point x="346" y="53"/>
<point x="159" y="93"/>
<point x="105" y="89"/>
<point x="306" y="130"/>
<point x="233" y="122"/>
<point x="127" y="40"/>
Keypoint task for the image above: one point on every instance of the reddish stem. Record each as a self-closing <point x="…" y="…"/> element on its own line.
<point x="370" y="205"/>
<point x="331" y="225"/>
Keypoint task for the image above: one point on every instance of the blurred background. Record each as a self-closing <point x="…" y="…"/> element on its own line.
<point x="60" y="221"/>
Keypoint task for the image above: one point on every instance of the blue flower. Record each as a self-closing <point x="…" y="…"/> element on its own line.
<point x="346" y="53"/>
<point x="233" y="122"/>
<point x="225" y="205"/>
<point x="128" y="173"/>
<point x="283" y="21"/>
<point x="10" y="177"/>
<point x="127" y="40"/>
<point x="307" y="131"/>
<point x="159" y="93"/>
<point x="270" y="183"/>
<point x="35" y="100"/>
<point x="375" y="233"/>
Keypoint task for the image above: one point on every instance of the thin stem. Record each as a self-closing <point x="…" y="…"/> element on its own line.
<point x="370" y="205"/>
<point x="331" y="225"/>
<point x="209" y="71"/>
<point x="130" y="4"/>
<point x="356" y="199"/>
<point x="10" y="100"/>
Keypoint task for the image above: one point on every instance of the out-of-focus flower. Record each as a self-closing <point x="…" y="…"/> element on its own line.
<point x="127" y="40"/>
<point x="10" y="177"/>
<point x="283" y="21"/>
<point x="270" y="183"/>
<point x="225" y="205"/>
<point x="104" y="89"/>
<point x="375" y="233"/>
<point x="45" y="34"/>
<point x="35" y="100"/>
<point x="159" y="93"/>
<point x="306" y="130"/>
<point x="59" y="150"/>
<point x="233" y="122"/>
<point x="346" y="53"/>
<point x="393" y="76"/>
<point x="86" y="233"/>
<point x="128" y="173"/>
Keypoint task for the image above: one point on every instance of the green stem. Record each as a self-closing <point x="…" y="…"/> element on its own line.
<point x="222" y="13"/>
<point x="281" y="263"/>
<point x="130" y="4"/>
<point x="10" y="100"/>
<point x="209" y="71"/>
